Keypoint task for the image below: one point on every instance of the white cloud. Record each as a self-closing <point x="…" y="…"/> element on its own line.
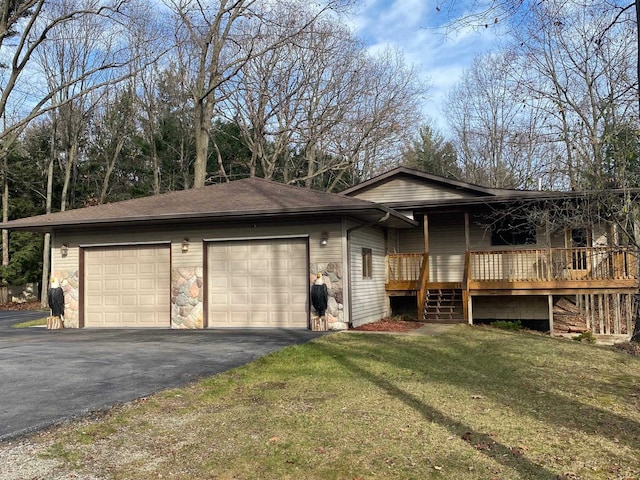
<point x="409" y="25"/>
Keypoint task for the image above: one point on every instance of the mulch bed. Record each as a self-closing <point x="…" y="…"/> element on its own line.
<point x="35" y="305"/>
<point x="632" y="348"/>
<point x="387" y="325"/>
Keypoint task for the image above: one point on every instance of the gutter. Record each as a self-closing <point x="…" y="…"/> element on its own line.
<point x="349" y="230"/>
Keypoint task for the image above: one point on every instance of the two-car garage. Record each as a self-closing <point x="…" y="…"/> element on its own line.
<point x="248" y="283"/>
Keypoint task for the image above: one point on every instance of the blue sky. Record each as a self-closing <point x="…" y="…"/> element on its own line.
<point x="410" y="26"/>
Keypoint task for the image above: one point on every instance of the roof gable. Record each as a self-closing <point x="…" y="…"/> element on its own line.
<point x="405" y="187"/>
<point x="403" y="183"/>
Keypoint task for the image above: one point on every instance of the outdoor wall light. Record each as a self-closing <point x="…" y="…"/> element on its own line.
<point x="324" y="239"/>
<point x="64" y="249"/>
<point x="185" y="245"/>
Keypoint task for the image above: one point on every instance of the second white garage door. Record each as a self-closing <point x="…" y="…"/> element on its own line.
<point x="127" y="286"/>
<point x="258" y="283"/>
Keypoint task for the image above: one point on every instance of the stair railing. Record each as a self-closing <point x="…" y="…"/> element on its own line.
<point x="422" y="284"/>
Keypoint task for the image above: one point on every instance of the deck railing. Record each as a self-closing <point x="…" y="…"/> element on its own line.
<point x="553" y="264"/>
<point x="558" y="265"/>
<point x="403" y="270"/>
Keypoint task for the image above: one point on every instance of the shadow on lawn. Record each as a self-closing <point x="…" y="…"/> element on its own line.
<point x="501" y="375"/>
<point x="498" y="452"/>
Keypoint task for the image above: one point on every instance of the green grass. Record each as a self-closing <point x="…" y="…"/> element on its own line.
<point x="38" y="322"/>
<point x="473" y="403"/>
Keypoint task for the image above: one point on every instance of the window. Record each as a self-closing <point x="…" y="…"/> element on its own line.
<point x="579" y="237"/>
<point x="579" y="240"/>
<point x="367" y="263"/>
<point x="509" y="231"/>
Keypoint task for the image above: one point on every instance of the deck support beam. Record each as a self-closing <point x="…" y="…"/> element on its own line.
<point x="550" y="298"/>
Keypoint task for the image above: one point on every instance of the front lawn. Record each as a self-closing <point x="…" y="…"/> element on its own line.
<point x="473" y="403"/>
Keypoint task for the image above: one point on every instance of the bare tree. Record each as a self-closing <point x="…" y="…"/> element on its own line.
<point x="585" y="82"/>
<point x="319" y="107"/>
<point x="29" y="25"/>
<point x="214" y="40"/>
<point x="513" y="16"/>
<point x="496" y="130"/>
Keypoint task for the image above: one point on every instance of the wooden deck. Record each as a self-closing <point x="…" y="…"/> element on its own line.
<point x="601" y="280"/>
<point x="525" y="272"/>
<point x="552" y="271"/>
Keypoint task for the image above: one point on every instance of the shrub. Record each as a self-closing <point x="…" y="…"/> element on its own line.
<point x="587" y="336"/>
<point x="507" y="325"/>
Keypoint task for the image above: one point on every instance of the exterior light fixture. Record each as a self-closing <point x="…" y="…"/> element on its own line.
<point x="185" y="245"/>
<point x="324" y="239"/>
<point x="64" y="249"/>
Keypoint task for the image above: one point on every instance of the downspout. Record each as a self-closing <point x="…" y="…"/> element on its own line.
<point x="349" y="230"/>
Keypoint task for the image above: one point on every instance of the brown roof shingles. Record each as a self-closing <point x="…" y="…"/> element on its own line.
<point x="240" y="198"/>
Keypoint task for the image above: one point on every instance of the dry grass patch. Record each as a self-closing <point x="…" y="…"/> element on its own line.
<point x="473" y="403"/>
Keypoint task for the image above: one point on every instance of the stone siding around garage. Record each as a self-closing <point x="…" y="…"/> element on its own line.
<point x="70" y="283"/>
<point x="187" y="306"/>
<point x="333" y="279"/>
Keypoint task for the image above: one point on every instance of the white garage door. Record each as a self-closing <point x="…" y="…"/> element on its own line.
<point x="127" y="286"/>
<point x="258" y="283"/>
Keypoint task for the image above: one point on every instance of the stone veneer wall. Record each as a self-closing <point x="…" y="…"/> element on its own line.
<point x="187" y="307"/>
<point x="332" y="277"/>
<point x="70" y="281"/>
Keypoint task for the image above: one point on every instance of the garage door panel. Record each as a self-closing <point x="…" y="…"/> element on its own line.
<point x="127" y="286"/>
<point x="259" y="265"/>
<point x="110" y="269"/>
<point x="239" y="318"/>
<point x="258" y="299"/>
<point x="239" y="282"/>
<point x="146" y="269"/>
<point x="250" y="283"/>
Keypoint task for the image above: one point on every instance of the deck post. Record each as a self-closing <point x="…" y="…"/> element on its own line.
<point x="469" y="309"/>
<point x="550" y="298"/>
<point x="426" y="244"/>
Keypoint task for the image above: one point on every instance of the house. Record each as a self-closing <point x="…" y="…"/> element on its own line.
<point x="479" y="254"/>
<point x="244" y="254"/>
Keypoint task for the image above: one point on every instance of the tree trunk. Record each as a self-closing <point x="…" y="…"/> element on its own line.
<point x="5" y="208"/>
<point x="202" y="128"/>
<point x="72" y="153"/>
<point x="111" y="164"/>
<point x="46" y="248"/>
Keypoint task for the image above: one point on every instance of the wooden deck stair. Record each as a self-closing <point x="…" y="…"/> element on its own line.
<point x="443" y="305"/>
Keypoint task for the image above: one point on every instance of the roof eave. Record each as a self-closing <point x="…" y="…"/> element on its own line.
<point x="398" y="219"/>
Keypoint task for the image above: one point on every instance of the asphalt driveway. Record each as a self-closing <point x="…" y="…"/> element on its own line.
<point x="47" y="376"/>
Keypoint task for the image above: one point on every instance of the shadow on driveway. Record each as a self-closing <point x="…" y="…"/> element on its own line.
<point x="49" y="376"/>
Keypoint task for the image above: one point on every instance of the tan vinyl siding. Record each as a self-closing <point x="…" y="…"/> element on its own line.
<point x="332" y="252"/>
<point x="446" y="248"/>
<point x="411" y="240"/>
<point x="408" y="190"/>
<point x="558" y="239"/>
<point x="600" y="236"/>
<point x="69" y="263"/>
<point x="367" y="294"/>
